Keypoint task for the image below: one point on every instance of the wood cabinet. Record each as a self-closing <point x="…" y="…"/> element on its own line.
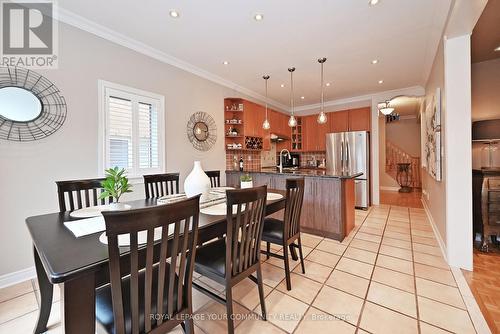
<point x="350" y="120"/>
<point x="360" y="119"/>
<point x="314" y="133"/>
<point x="338" y="121"/>
<point x="328" y="205"/>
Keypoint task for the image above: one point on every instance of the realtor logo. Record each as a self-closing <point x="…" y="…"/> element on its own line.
<point x="29" y="32"/>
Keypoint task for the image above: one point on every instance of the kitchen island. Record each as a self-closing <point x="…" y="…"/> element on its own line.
<point x="328" y="207"/>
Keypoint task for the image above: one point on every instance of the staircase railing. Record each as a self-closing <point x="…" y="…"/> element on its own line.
<point x="394" y="155"/>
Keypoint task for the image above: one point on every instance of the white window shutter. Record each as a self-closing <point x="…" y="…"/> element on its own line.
<point x="120" y="133"/>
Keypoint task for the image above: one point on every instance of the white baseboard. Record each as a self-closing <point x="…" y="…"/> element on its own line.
<point x="441" y="243"/>
<point x="17" y="277"/>
<point x="389" y="188"/>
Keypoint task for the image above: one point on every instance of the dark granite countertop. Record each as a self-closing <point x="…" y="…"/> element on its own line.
<point x="301" y="172"/>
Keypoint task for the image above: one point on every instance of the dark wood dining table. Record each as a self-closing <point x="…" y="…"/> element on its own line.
<point x="80" y="265"/>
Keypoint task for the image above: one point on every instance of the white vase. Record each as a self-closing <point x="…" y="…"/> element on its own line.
<point x="197" y="182"/>
<point x="246" y="184"/>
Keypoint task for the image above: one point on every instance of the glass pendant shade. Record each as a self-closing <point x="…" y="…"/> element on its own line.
<point x="292" y="122"/>
<point x="387" y="110"/>
<point x="266" y="125"/>
<point x="322" y="118"/>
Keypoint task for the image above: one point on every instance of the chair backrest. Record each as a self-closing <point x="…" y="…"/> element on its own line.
<point x="158" y="185"/>
<point x="293" y="206"/>
<point x="490" y="201"/>
<point x="245" y="221"/>
<point x="179" y="223"/>
<point x="214" y="176"/>
<point x="70" y="194"/>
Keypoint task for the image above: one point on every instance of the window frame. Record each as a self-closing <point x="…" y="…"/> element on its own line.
<point x="106" y="89"/>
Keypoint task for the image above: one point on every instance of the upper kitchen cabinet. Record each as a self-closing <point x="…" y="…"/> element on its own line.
<point x="360" y="119"/>
<point x="338" y="121"/>
<point x="350" y="120"/>
<point x="314" y="133"/>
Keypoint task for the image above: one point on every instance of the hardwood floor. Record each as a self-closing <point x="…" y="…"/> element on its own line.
<point x="410" y="200"/>
<point x="484" y="282"/>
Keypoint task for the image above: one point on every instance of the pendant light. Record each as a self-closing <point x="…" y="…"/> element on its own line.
<point x="266" y="125"/>
<point x="322" y="116"/>
<point x="292" y="122"/>
<point x="386" y="108"/>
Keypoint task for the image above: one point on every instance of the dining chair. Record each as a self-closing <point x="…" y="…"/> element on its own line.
<point x="285" y="232"/>
<point x="157" y="185"/>
<point x="155" y="298"/>
<point x="236" y="256"/>
<point x="70" y="194"/>
<point x="214" y="176"/>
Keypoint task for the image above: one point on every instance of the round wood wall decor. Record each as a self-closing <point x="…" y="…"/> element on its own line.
<point x="202" y="131"/>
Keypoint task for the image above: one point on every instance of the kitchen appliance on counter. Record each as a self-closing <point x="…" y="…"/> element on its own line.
<point x="291" y="162"/>
<point x="349" y="152"/>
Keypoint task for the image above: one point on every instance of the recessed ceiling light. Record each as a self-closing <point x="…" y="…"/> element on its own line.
<point x="302" y="97"/>
<point x="258" y="17"/>
<point x="381" y="81"/>
<point x="373" y="2"/>
<point x="175" y="14"/>
<point x="282" y="85"/>
<point x="328" y="84"/>
<point x="225" y="62"/>
<point x="375" y="61"/>
<point x="497" y="48"/>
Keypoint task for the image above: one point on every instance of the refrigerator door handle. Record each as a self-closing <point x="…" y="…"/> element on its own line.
<point x="348" y="158"/>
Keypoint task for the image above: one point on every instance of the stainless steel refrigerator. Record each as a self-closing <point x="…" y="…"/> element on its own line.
<point x="349" y="152"/>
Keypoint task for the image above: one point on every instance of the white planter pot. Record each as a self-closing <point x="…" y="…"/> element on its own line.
<point x="246" y="184"/>
<point x="197" y="182"/>
<point x="118" y="206"/>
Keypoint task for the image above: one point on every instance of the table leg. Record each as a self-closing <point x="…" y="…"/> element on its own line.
<point x="78" y="305"/>
<point x="46" y="289"/>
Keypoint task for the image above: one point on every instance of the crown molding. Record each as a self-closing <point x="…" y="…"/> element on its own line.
<point x="363" y="100"/>
<point x="94" y="28"/>
<point x="77" y="21"/>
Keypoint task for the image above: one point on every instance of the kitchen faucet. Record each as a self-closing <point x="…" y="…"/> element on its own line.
<point x="280" y="166"/>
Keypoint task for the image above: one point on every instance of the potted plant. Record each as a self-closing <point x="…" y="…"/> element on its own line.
<point x="115" y="185"/>
<point x="246" y="181"/>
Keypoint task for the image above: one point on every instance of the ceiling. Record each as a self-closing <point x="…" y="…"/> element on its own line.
<point x="402" y="34"/>
<point x="406" y="105"/>
<point x="486" y="33"/>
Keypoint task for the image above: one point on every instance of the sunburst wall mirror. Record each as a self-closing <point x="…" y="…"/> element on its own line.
<point x="202" y="131"/>
<point x="31" y="106"/>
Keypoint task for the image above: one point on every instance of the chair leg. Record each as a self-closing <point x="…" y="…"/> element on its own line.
<point x="301" y="257"/>
<point x="188" y="326"/>
<point x="287" y="268"/>
<point x="268" y="249"/>
<point x="260" y="284"/>
<point x="229" y="310"/>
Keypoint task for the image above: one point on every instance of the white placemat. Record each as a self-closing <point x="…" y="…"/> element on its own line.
<point x="124" y="239"/>
<point x="273" y="196"/>
<point x="219" y="209"/>
<point x="93" y="211"/>
<point x="86" y="226"/>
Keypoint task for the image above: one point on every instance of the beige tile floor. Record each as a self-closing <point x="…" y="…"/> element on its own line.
<point x="387" y="276"/>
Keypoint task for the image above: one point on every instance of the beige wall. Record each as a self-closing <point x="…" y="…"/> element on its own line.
<point x="434" y="191"/>
<point x="28" y="170"/>
<point x="405" y="133"/>
<point x="486" y="90"/>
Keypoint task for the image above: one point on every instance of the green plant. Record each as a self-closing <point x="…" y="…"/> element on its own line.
<point x="115" y="184"/>
<point x="245" y="178"/>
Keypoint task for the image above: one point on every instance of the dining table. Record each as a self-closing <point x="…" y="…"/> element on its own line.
<point x="80" y="265"/>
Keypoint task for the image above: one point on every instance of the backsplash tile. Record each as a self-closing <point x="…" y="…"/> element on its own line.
<point x="251" y="160"/>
